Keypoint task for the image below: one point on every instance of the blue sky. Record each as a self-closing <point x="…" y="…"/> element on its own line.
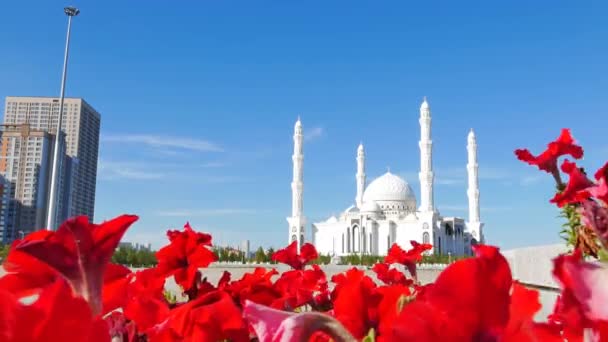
<point x="198" y="102"/>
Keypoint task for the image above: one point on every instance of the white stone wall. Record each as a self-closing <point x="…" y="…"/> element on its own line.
<point x="534" y="265"/>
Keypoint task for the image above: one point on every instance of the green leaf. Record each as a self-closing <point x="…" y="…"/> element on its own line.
<point x="403" y="301"/>
<point x="371" y="336"/>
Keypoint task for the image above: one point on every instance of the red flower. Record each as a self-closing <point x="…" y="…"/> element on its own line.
<point x="120" y="328"/>
<point x="211" y="317"/>
<point x="57" y="315"/>
<point x="146" y="304"/>
<point x="584" y="295"/>
<point x="602" y="173"/>
<point x="271" y="325"/>
<point x="80" y="251"/>
<point x="469" y="301"/>
<point x="521" y="326"/>
<point x="224" y="280"/>
<point x="595" y="216"/>
<point x="407" y="258"/>
<point x="289" y="255"/>
<point x="392" y="300"/>
<point x="116" y="281"/>
<point x="390" y="276"/>
<point x="26" y="275"/>
<point x="600" y="191"/>
<point x="577" y="187"/>
<point x="355" y="301"/>
<point x="185" y="254"/>
<point x="547" y="161"/>
<point x="256" y="287"/>
<point x="298" y="287"/>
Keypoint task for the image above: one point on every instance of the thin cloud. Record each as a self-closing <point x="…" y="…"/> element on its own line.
<point x="443" y="177"/>
<point x="448" y="181"/>
<point x="313" y="133"/>
<point x="453" y="207"/>
<point x="130" y="171"/>
<point x="458" y="175"/>
<point x="532" y="179"/>
<point x="465" y="208"/>
<point x="161" y="142"/>
<point x="207" y="212"/>
<point x="141" y="170"/>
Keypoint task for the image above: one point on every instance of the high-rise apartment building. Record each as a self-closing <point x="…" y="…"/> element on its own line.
<point x="25" y="164"/>
<point x="81" y="124"/>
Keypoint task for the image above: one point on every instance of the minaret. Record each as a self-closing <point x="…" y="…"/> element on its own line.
<point x="426" y="159"/>
<point x="360" y="175"/>
<point x="474" y="225"/>
<point x="297" y="219"/>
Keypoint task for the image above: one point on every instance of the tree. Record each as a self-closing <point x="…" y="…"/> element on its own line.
<point x="260" y="256"/>
<point x="4" y="251"/>
<point x="269" y="255"/>
<point x="134" y="257"/>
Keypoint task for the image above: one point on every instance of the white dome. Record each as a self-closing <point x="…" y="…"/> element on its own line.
<point x="370" y="207"/>
<point x="389" y="187"/>
<point x="351" y="209"/>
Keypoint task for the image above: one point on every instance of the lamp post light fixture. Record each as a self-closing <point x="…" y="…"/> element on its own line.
<point x="70" y="12"/>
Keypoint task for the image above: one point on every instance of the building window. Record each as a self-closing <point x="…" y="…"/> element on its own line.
<point x="348" y="241"/>
<point x="425" y="237"/>
<point x="294" y="238"/>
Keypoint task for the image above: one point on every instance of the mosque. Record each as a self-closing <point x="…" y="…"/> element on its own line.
<point x="386" y="210"/>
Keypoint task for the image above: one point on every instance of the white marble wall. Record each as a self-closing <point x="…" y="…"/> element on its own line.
<point x="533" y="265"/>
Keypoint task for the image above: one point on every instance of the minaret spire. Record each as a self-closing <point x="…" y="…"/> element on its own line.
<point x="426" y="159"/>
<point x="297" y="219"/>
<point x="474" y="225"/>
<point x="360" y="175"/>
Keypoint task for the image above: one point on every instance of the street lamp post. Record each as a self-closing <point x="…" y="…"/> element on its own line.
<point x="70" y="12"/>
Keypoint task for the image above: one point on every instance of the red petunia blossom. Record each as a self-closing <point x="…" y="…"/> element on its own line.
<point x="600" y="191"/>
<point x="289" y="255"/>
<point x="271" y="325"/>
<point x="146" y="305"/>
<point x="116" y="280"/>
<point x="521" y="326"/>
<point x="407" y="258"/>
<point x="256" y="287"/>
<point x="80" y="251"/>
<point x="602" y="172"/>
<point x="119" y="328"/>
<point x="57" y="315"/>
<point x="392" y="300"/>
<point x="298" y="287"/>
<point x="595" y="216"/>
<point x="224" y="280"/>
<point x="26" y="275"/>
<point x="390" y="276"/>
<point x="211" y="317"/>
<point x="584" y="295"/>
<point x="577" y="189"/>
<point x="547" y="161"/>
<point x="355" y="301"/>
<point x="185" y="254"/>
<point x="468" y="302"/>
